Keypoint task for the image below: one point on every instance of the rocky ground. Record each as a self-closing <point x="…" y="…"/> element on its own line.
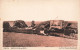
<point x="12" y="39"/>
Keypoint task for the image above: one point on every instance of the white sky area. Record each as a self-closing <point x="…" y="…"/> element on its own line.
<point x="40" y="10"/>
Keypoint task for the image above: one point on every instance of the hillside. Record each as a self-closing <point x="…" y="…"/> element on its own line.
<point x="11" y="39"/>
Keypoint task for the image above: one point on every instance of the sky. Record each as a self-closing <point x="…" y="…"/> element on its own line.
<point x="40" y="10"/>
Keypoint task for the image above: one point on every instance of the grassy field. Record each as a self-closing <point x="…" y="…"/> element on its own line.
<point x="12" y="39"/>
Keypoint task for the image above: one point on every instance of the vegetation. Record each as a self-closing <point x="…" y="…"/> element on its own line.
<point x="20" y="24"/>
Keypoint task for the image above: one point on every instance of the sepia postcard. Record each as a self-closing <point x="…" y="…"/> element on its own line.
<point x="39" y="24"/>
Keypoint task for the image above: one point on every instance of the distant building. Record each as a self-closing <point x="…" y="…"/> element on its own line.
<point x="56" y="24"/>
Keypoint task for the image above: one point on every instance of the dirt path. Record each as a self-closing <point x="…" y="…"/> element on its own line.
<point x="11" y="39"/>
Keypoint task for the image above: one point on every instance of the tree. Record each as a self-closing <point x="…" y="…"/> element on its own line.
<point x="32" y="23"/>
<point x="6" y="27"/>
<point x="20" y="24"/>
